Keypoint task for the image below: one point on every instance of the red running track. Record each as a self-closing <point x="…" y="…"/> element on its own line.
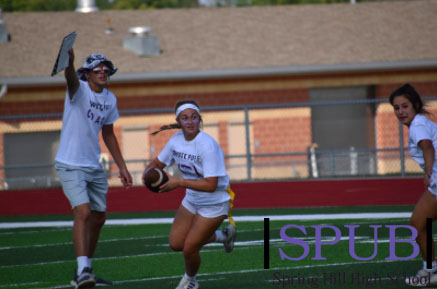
<point x="314" y="193"/>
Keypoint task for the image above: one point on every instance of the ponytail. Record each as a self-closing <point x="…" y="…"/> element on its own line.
<point x="166" y="127"/>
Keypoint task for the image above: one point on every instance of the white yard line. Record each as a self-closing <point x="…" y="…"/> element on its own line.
<point x="213" y="276"/>
<point x="147" y="221"/>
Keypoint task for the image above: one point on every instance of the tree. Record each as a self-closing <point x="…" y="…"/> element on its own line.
<point x="37" y="5"/>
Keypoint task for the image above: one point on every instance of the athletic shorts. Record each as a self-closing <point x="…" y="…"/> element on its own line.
<point x="207" y="211"/>
<point x="433" y="189"/>
<point x="82" y="185"/>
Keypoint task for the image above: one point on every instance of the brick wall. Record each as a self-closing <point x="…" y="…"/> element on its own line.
<point x="423" y="88"/>
<point x="282" y="134"/>
<point x="223" y="137"/>
<point x="32" y="100"/>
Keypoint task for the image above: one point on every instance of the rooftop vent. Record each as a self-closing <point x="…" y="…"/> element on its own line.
<point x="140" y="42"/>
<point x="86" y="6"/>
<point x="109" y="28"/>
<point x="4" y="36"/>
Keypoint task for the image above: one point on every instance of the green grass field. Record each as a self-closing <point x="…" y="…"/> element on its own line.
<point x="138" y="256"/>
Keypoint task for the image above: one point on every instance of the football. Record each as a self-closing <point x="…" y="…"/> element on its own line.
<point x="155" y="178"/>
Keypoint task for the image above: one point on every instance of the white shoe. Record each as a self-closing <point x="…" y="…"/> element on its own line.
<point x="230" y="234"/>
<point x="422" y="278"/>
<point x="424" y="272"/>
<point x="187" y="284"/>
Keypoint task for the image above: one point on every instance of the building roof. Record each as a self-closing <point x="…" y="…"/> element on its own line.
<point x="222" y="41"/>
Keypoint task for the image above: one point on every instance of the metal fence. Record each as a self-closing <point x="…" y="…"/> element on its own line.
<point x="309" y="163"/>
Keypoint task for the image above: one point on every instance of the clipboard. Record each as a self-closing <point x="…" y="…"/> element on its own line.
<point x="63" y="57"/>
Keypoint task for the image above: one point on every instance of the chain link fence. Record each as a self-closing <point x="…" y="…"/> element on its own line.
<point x="260" y="142"/>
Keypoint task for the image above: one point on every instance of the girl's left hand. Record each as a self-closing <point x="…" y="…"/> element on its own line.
<point x="426" y="180"/>
<point x="171" y="184"/>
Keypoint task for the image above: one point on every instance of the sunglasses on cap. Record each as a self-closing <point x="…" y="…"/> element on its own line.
<point x="97" y="70"/>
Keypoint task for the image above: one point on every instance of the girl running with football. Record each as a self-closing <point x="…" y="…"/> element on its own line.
<point x="422" y="143"/>
<point x="208" y="197"/>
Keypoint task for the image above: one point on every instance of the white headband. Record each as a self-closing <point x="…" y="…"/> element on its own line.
<point x="185" y="106"/>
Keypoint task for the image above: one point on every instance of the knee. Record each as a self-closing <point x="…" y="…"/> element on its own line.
<point x="82" y="213"/>
<point x="176" y="246"/>
<point x="99" y="218"/>
<point x="418" y="224"/>
<point x="190" y="251"/>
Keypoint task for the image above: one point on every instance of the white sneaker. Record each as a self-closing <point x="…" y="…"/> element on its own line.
<point x="187" y="284"/>
<point x="423" y="272"/>
<point x="230" y="234"/>
<point x="422" y="278"/>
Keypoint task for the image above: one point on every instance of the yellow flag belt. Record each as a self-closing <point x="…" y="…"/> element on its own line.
<point x="232" y="195"/>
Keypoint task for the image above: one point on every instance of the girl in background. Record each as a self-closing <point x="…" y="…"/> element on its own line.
<point x="422" y="142"/>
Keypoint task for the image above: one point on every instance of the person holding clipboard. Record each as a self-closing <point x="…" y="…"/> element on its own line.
<point x="89" y="108"/>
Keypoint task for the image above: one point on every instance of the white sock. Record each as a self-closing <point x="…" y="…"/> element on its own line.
<point x="193" y="278"/>
<point x="82" y="262"/>
<point x="219" y="236"/>
<point x="433" y="265"/>
<point x="90" y="263"/>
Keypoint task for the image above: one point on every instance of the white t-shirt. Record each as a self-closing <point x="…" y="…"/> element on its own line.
<point x="82" y="121"/>
<point x="422" y="128"/>
<point x="197" y="159"/>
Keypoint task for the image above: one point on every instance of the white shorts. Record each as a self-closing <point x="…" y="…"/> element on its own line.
<point x="207" y="211"/>
<point x="433" y="189"/>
